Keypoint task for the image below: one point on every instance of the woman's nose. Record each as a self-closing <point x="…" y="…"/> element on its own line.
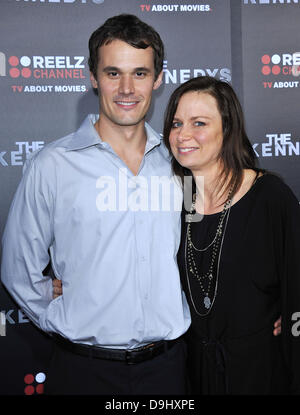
<point x="184" y="134"/>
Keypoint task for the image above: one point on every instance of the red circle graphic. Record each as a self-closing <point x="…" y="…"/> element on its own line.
<point x="13" y="60"/>
<point x="26" y="72"/>
<point x="14" y="72"/>
<point x="29" y="390"/>
<point x="266" y="70"/>
<point x="40" y="388"/>
<point x="28" y="379"/>
<point x="266" y="59"/>
<point x="276" y="70"/>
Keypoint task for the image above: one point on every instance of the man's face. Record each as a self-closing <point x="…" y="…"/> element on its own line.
<point x="125" y="81"/>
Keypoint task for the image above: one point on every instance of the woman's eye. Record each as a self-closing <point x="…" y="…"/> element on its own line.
<point x="176" y="124"/>
<point x="199" y="123"/>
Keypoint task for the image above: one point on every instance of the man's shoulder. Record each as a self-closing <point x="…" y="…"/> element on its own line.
<point x="58" y="145"/>
<point x="82" y="137"/>
<point x="48" y="152"/>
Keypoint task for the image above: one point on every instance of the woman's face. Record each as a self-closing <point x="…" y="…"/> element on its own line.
<point x="196" y="135"/>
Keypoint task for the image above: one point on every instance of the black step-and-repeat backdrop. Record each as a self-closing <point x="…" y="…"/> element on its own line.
<point x="45" y="93"/>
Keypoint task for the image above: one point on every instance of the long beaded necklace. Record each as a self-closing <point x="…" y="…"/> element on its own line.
<point x="191" y="250"/>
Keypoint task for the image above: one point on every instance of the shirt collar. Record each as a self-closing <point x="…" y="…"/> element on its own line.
<point x="87" y="136"/>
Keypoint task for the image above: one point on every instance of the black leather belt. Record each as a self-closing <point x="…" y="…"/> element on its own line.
<point x="129" y="356"/>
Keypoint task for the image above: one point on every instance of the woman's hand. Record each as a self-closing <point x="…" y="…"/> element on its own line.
<point x="277" y="327"/>
<point x="57" y="288"/>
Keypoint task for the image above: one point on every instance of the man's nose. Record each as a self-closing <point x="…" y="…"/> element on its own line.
<point x="126" y="85"/>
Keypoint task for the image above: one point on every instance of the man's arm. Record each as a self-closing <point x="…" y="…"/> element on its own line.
<point x="57" y="291"/>
<point x="28" y="235"/>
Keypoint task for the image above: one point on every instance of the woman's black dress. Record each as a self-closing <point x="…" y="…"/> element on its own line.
<point x="232" y="350"/>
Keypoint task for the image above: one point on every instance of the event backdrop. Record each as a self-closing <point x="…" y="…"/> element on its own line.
<point x="46" y="93"/>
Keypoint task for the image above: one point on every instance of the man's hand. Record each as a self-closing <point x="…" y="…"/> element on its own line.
<point x="57" y="288"/>
<point x="277" y="327"/>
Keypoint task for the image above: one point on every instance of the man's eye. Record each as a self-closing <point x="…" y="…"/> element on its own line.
<point x="140" y="74"/>
<point x="113" y="74"/>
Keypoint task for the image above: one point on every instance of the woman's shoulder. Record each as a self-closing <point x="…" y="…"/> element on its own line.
<point x="273" y="182"/>
<point x="273" y="187"/>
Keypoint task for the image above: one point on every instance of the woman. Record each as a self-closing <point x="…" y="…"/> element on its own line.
<point x="240" y="264"/>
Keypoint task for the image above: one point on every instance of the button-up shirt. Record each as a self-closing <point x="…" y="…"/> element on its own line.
<point x="112" y="239"/>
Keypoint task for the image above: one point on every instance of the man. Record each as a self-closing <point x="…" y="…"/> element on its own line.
<point x="117" y="327"/>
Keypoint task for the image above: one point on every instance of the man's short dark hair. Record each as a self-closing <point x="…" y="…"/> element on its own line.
<point x="130" y="29"/>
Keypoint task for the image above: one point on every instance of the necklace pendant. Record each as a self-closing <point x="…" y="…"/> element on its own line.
<point x="207" y="302"/>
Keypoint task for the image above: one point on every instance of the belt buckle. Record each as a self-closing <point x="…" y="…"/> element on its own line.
<point x="148" y="346"/>
<point x="128" y="356"/>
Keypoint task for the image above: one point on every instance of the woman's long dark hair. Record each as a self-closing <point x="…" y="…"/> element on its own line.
<point x="236" y="153"/>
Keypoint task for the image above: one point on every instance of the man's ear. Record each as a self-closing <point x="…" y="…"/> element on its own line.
<point x="158" y="81"/>
<point x="93" y="81"/>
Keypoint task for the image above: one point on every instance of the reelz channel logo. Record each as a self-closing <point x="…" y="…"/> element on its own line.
<point x="34" y="384"/>
<point x="44" y="68"/>
<point x="280" y="66"/>
<point x="41" y="67"/>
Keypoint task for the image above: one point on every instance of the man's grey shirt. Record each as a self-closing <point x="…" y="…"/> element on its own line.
<point x="111" y="238"/>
